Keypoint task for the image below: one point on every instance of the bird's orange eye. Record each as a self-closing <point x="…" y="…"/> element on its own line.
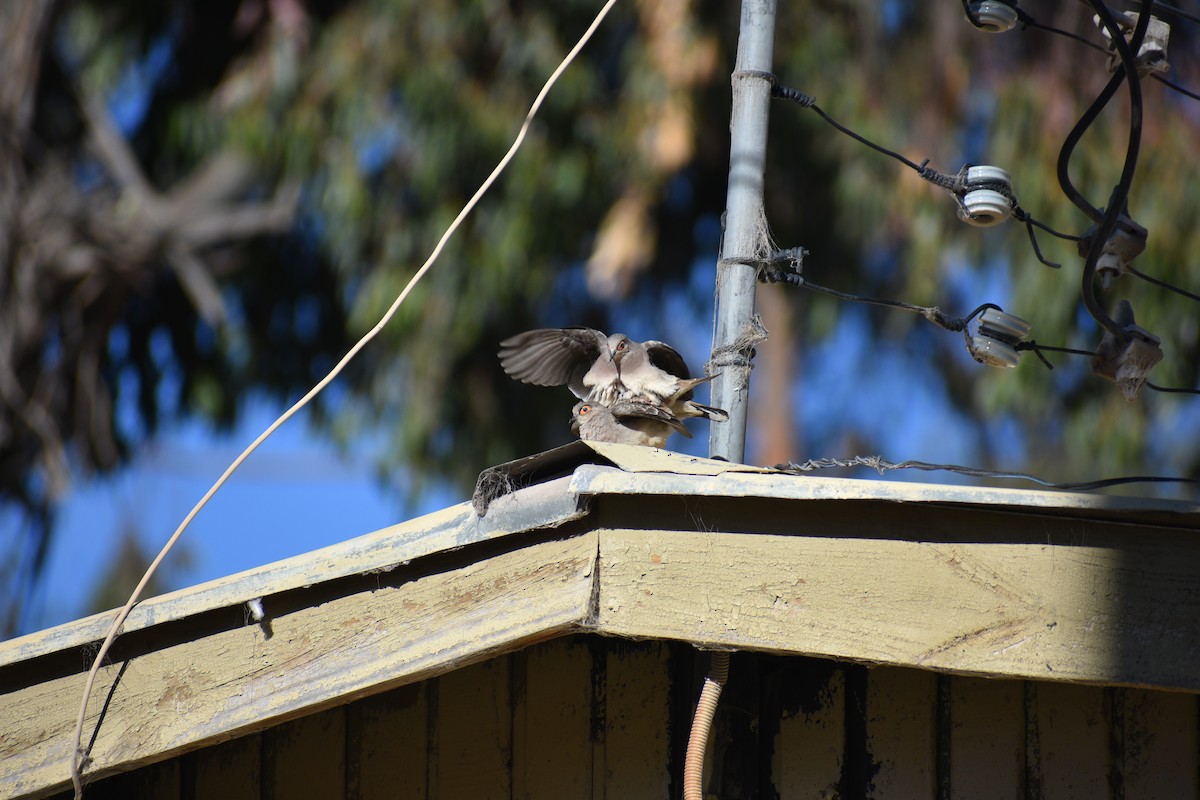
<point x="585" y="410"/>
<point x="623" y="344"/>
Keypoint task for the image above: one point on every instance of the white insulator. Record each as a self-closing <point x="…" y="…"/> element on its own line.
<point x="995" y="320"/>
<point x="993" y="352"/>
<point x="994" y="16"/>
<point x="995" y="341"/>
<point x="982" y="205"/>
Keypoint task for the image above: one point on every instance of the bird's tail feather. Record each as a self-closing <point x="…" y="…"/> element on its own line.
<point x="711" y="413"/>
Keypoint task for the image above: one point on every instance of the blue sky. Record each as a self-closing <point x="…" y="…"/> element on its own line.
<point x="293" y="495"/>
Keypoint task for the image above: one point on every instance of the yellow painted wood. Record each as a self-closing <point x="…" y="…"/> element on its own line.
<point x="306" y="758"/>
<point x="810" y="746"/>
<point x="544" y="505"/>
<point x="987" y="739"/>
<point x="1161" y="747"/>
<point x="1027" y="610"/>
<point x="636" y="723"/>
<point x="228" y="771"/>
<point x="387" y="745"/>
<point x="902" y="732"/>
<point x="473" y="730"/>
<point x="1073" y="737"/>
<point x="178" y="698"/>
<point x="552" y="717"/>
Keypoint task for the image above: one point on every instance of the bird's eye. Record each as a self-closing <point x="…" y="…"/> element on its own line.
<point x="623" y="344"/>
<point x="585" y="411"/>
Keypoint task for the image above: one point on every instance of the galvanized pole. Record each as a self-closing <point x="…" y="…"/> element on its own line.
<point x="743" y="235"/>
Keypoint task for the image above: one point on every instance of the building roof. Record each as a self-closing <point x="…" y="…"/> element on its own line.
<point x="638" y="543"/>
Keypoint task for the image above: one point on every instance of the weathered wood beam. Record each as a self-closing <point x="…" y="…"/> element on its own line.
<point x="1095" y="611"/>
<point x="209" y="689"/>
<point x="544" y="506"/>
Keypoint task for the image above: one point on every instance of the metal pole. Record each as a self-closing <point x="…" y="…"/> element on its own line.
<point x="743" y="205"/>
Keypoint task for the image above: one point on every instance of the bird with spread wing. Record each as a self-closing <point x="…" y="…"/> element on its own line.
<point x="606" y="369"/>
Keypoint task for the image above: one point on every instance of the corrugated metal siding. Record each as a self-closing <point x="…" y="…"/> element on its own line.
<point x="589" y="717"/>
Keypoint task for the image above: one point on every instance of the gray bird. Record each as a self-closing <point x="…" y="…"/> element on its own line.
<point x="606" y="369"/>
<point x="628" y="422"/>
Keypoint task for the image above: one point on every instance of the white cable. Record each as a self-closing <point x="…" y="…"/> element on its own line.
<point x="76" y="754"/>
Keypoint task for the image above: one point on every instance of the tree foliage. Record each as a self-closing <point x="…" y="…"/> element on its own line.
<point x="201" y="200"/>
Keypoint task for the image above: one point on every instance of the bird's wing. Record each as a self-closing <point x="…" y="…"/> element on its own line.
<point x="626" y="409"/>
<point x="553" y="356"/>
<point x="667" y="358"/>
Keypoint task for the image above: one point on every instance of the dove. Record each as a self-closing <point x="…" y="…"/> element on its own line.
<point x="605" y="369"/>
<point x="628" y="422"/>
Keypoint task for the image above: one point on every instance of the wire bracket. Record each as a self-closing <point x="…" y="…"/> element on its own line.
<point x="1126" y="360"/>
<point x="783" y="266"/>
<point x="1126" y="243"/>
<point x="1152" y="55"/>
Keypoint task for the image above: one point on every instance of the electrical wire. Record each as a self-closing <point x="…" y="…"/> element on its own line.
<point x="1175" y="86"/>
<point x="77" y="754"/>
<point x="1170" y="390"/>
<point x="955" y="184"/>
<point x="1162" y="283"/>
<point x="1170" y="9"/>
<point x="770" y="272"/>
<point x="1038" y="348"/>
<point x="1072" y="139"/>
<point x="881" y="465"/>
<point x="1028" y="21"/>
<point x="1107" y="222"/>
<point x="931" y="313"/>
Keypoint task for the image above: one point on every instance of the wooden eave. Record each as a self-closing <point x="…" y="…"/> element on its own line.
<point x="637" y="543"/>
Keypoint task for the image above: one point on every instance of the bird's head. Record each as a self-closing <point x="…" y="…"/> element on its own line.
<point x="618" y="346"/>
<point x="580" y="411"/>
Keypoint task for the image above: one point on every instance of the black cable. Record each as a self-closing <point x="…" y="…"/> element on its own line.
<point x="1076" y="133"/>
<point x="1021" y="215"/>
<point x="1037" y="348"/>
<point x="1178" y="12"/>
<point x="1162" y="283"/>
<point x="1169" y="389"/>
<point x="1024" y="216"/>
<point x="931" y="313"/>
<point x="974" y="20"/>
<point x="881" y="465"/>
<point x="1029" y="22"/>
<point x="769" y="273"/>
<point x="808" y="101"/>
<point x="1120" y="194"/>
<point x="1175" y="86"/>
<point x="955" y="184"/>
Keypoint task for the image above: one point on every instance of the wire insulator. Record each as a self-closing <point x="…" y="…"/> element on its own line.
<point x="995" y="342"/>
<point x="986" y="198"/>
<point x="993" y="16"/>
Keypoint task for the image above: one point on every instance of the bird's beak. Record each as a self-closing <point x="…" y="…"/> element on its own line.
<point x="575" y="425"/>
